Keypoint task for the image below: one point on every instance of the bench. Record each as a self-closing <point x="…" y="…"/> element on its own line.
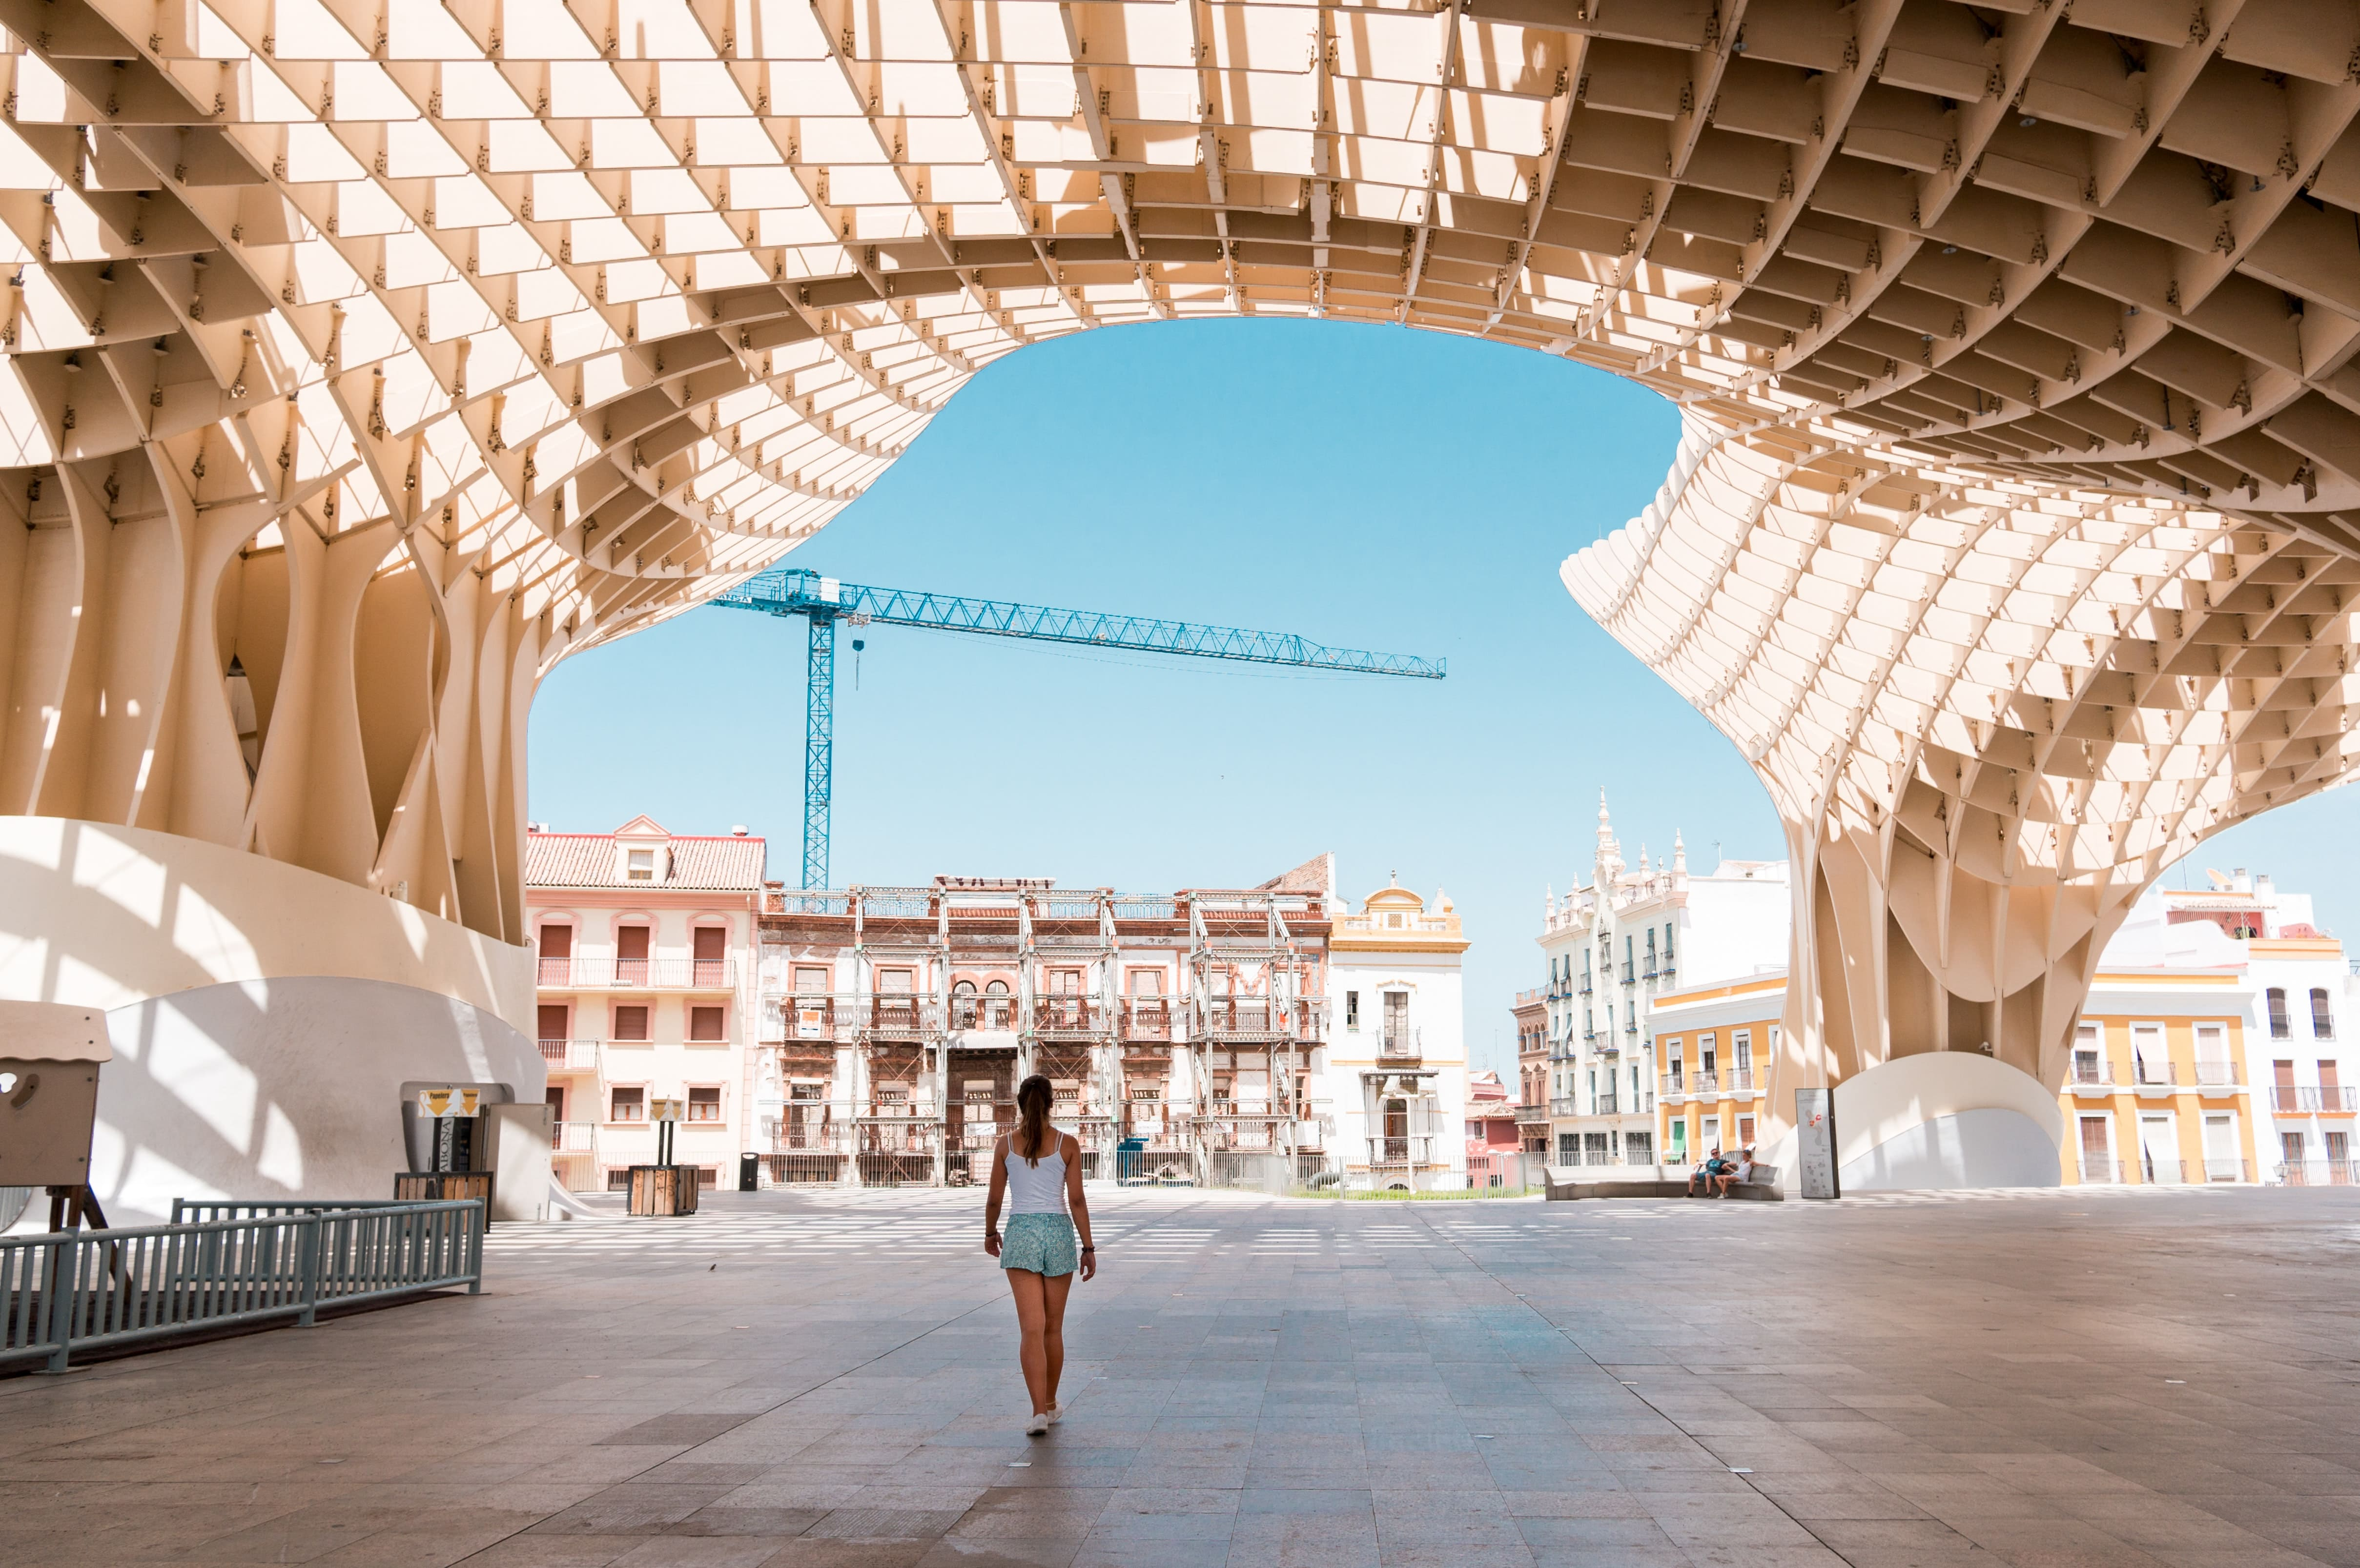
<point x="1568" y="1183"/>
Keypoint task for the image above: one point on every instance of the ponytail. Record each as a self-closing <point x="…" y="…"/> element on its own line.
<point x="1033" y="1112"/>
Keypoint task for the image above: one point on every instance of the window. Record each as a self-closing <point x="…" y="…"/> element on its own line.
<point x="641" y="865"/>
<point x="1568" y="1148"/>
<point x="1746" y="1132"/>
<point x="2221" y="1160"/>
<point x="2089" y="1054"/>
<point x="631" y="1023"/>
<point x="2097" y="1150"/>
<point x="1396" y="1020"/>
<point x="2323" y="1020"/>
<point x="554" y="1019"/>
<point x="704" y="1104"/>
<point x="706" y="1023"/>
<point x="1705" y="1061"/>
<point x="2159" y="1147"/>
<point x="1066" y="983"/>
<point x="2281" y="1027"/>
<point x="627" y="1105"/>
<point x="2150" y="1064"/>
<point x="893" y="982"/>
<point x="630" y="956"/>
<point x="709" y="952"/>
<point x="1351" y="1009"/>
<point x="1146" y="982"/>
<point x="556" y="963"/>
<point x="1667" y="945"/>
<point x="1638" y="1148"/>
<point x="811" y="981"/>
<point x="1712" y="1133"/>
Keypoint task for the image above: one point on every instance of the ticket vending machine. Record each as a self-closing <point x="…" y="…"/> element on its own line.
<point x="474" y="1141"/>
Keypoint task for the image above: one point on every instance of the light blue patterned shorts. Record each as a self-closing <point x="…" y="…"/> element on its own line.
<point x="1042" y="1243"/>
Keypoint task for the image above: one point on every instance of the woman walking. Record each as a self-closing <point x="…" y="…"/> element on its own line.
<point x="1039" y="1169"/>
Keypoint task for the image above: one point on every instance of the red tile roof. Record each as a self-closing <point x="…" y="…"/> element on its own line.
<point x="588" y="860"/>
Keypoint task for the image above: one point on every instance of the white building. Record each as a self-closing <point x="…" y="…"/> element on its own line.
<point x="1611" y="947"/>
<point x="1395" y="1064"/>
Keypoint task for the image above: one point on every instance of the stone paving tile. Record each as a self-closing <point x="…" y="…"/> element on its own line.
<point x="1962" y="1382"/>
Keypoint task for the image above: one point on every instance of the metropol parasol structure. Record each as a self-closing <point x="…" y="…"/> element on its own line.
<point x="363" y="358"/>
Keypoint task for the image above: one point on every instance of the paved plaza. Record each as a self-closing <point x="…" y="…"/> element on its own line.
<point x="2089" y="1377"/>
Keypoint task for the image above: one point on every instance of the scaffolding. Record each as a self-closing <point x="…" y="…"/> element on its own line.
<point x="961" y="989"/>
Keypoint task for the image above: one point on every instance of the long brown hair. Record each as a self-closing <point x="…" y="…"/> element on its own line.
<point x="1032" y="1111"/>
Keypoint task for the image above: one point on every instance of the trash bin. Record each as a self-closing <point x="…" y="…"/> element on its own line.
<point x="750" y="1172"/>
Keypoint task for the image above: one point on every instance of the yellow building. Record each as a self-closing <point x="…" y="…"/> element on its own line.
<point x="2157" y="1092"/>
<point x="1715" y="1044"/>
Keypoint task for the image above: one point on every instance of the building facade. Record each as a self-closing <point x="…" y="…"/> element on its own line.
<point x="1531" y="1012"/>
<point x="1397" y="1062"/>
<point x="643" y="957"/>
<point x="1714" y="1043"/>
<point x="1221" y="1036"/>
<point x="1634" y="934"/>
<point x="1494" y="1149"/>
<point x="2211" y="1049"/>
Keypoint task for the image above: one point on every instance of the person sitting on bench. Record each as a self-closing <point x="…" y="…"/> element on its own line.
<point x="1700" y="1179"/>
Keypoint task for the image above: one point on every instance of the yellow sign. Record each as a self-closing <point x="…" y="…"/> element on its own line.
<point x="442" y="1104"/>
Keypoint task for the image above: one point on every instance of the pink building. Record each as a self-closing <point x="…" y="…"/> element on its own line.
<point x="646" y="955"/>
<point x="1492" y="1140"/>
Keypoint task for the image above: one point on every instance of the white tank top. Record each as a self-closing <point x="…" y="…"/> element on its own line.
<point x="1037" y="1188"/>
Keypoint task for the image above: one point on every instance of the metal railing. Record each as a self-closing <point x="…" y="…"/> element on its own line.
<point x="1408" y="1042"/>
<point x="1241" y="1017"/>
<point x="900" y="1015"/>
<point x="1064" y="1015"/>
<point x="1565" y="1105"/>
<point x="2295" y="1100"/>
<point x="574" y="1055"/>
<point x="1533" y="1111"/>
<point x="989" y="1013"/>
<point x="2091" y="1171"/>
<point x="638" y="974"/>
<point x="1146" y="1017"/>
<point x="2319" y="1172"/>
<point x="226" y="1265"/>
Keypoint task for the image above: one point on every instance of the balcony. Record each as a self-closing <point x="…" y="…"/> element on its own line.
<point x="1629" y="972"/>
<point x="2329" y="1099"/>
<point x="900" y="1015"/>
<point x="2320" y="1174"/>
<point x="2153" y="1077"/>
<point x="1605" y="1106"/>
<point x="816" y="1018"/>
<point x="1402" y="1043"/>
<point x="636" y="975"/>
<point x="1532" y="1113"/>
<point x="1146" y="1017"/>
<point x="570" y="1055"/>
<point x="1067" y="1016"/>
<point x="1585" y="984"/>
<point x="1250" y="1017"/>
<point x="1566" y="1105"/>
<point x="1671" y="1086"/>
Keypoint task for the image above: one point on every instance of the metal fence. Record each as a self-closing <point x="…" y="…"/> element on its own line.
<point x="226" y="1265"/>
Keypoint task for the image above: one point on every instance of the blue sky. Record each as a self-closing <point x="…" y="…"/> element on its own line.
<point x="1365" y="487"/>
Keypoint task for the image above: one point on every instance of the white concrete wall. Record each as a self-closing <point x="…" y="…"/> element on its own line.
<point x="264" y="1017"/>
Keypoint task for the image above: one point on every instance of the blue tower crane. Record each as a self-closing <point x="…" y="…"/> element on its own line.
<point x="823" y="601"/>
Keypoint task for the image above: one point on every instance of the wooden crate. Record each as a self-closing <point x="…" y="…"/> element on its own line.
<point x="663" y="1190"/>
<point x="444" y="1186"/>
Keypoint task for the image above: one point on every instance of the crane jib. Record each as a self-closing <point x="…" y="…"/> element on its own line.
<point x="823" y="601"/>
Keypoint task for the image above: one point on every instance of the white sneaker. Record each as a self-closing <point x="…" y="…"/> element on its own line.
<point x="1055" y="1415"/>
<point x="1035" y="1424"/>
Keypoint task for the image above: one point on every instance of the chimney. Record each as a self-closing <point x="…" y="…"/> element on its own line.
<point x="2239" y="880"/>
<point x="737" y="829"/>
<point x="2263" y="887"/>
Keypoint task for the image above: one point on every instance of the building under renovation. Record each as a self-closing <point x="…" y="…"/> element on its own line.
<point x="1193" y="1037"/>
